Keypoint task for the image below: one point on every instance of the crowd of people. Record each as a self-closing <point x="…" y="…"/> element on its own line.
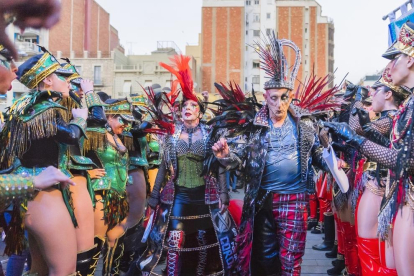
<point x="75" y="166"/>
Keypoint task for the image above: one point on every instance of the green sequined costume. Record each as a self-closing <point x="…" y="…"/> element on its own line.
<point x="37" y="135"/>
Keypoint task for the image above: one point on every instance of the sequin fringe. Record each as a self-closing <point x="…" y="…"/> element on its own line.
<point x="385" y="219"/>
<point x="15" y="240"/>
<point x="96" y="140"/>
<point x="115" y="207"/>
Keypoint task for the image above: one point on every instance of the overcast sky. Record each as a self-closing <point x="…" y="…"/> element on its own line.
<point x="360" y="33"/>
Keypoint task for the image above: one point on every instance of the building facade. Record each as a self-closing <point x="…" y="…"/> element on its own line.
<point x="222" y="42"/>
<point x="223" y="37"/>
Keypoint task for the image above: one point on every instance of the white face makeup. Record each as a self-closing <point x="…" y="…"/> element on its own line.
<point x="190" y="111"/>
<point x="278" y="101"/>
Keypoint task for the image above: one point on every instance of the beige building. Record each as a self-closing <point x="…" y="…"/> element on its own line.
<point x="135" y="71"/>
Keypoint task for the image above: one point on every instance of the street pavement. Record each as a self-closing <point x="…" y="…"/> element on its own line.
<point x="314" y="262"/>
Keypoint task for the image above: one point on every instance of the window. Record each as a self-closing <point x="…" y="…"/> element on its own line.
<point x="268" y="31"/>
<point x="256" y="32"/>
<point x="256" y="17"/>
<point x="97" y="74"/>
<point x="256" y="2"/>
<point x="168" y="83"/>
<point x="268" y="15"/>
<point x="306" y="30"/>
<point x="247" y="32"/>
<point x="127" y="87"/>
<point x="148" y="83"/>
<point x="256" y="80"/>
<point x="79" y="69"/>
<point x="256" y="64"/>
<point x="248" y="2"/>
<point x="247" y="48"/>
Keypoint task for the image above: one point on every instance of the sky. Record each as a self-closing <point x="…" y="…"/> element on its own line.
<point x="361" y="36"/>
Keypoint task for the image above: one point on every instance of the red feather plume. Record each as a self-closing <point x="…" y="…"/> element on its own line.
<point x="314" y="96"/>
<point x="180" y="68"/>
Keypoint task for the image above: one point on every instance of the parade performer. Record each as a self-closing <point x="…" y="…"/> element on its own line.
<point x="38" y="135"/>
<point x="385" y="100"/>
<point x="395" y="219"/>
<point x="278" y="156"/>
<point x="190" y="227"/>
<point x="106" y="123"/>
<point x="137" y="188"/>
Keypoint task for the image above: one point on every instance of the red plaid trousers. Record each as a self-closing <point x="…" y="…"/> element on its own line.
<point x="289" y="214"/>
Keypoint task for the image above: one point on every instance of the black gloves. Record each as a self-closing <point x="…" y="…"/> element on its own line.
<point x="363" y="116"/>
<point x="375" y="136"/>
<point x="138" y="131"/>
<point x="345" y="132"/>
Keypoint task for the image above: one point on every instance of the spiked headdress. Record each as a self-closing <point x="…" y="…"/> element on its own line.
<point x="274" y="63"/>
<point x="315" y="96"/>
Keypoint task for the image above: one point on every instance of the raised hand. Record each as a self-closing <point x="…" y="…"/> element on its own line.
<point x="221" y="149"/>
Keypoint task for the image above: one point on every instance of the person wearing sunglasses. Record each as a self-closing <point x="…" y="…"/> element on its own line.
<point x="106" y="124"/>
<point x="36" y="134"/>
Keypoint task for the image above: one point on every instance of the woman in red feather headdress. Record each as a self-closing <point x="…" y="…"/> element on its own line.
<point x="192" y="225"/>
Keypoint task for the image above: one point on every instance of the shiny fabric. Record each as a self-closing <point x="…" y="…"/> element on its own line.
<point x="185" y="195"/>
<point x="339" y="234"/>
<point x="115" y="165"/>
<point x="351" y="249"/>
<point x="313" y="206"/>
<point x="280" y="233"/>
<point x="282" y="169"/>
<point x="254" y="155"/>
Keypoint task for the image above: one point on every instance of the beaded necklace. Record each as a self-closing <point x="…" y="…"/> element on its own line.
<point x="190" y="132"/>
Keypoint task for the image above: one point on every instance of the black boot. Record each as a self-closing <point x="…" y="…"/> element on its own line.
<point x="332" y="254"/>
<point x="112" y="257"/>
<point x="328" y="243"/>
<point x="312" y="223"/>
<point x="84" y="261"/>
<point x="133" y="246"/>
<point x="95" y="258"/>
<point x="318" y="228"/>
<point x="338" y="266"/>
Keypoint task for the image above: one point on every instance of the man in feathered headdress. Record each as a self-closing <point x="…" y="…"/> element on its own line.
<point x="281" y="149"/>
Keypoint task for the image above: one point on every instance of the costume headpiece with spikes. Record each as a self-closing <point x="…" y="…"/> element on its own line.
<point x="180" y="68"/>
<point x="315" y="96"/>
<point x="274" y="63"/>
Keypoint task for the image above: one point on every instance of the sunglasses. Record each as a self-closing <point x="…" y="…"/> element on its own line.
<point x="5" y="63"/>
<point x="62" y="78"/>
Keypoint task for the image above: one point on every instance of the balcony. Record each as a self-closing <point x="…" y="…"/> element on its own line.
<point x="128" y="68"/>
<point x="27" y="48"/>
